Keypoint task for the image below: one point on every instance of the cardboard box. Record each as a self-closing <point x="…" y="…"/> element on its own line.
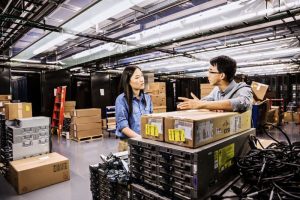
<point x="195" y="129"/>
<point x="2" y="109"/>
<point x="157" y="88"/>
<point x="206" y="86"/>
<point x="205" y="89"/>
<point x="37" y="172"/>
<point x="159" y="109"/>
<point x="291" y="117"/>
<point x="69" y="109"/>
<point x="104" y="124"/>
<point x="18" y="110"/>
<point x="158" y="100"/>
<point x="88" y="126"/>
<point x="70" y="104"/>
<point x="259" y="90"/>
<point x="6" y="97"/>
<point x="87" y="112"/>
<point x="152" y="125"/>
<point x="84" y="120"/>
<point x="85" y="133"/>
<point x="2" y="103"/>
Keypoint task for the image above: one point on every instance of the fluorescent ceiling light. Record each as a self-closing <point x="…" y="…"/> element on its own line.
<point x="97" y="13"/>
<point x="242" y="10"/>
<point x="25" y="60"/>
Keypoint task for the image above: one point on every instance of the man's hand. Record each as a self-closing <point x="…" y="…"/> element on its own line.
<point x="187" y="103"/>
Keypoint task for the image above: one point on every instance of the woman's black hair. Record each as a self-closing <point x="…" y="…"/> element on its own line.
<point x="127" y="89"/>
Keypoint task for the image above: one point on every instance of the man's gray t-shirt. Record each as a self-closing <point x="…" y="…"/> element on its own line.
<point x="239" y="94"/>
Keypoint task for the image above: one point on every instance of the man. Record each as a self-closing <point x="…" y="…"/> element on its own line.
<point x="228" y="95"/>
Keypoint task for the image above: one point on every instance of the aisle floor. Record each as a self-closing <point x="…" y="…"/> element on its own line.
<point x="81" y="155"/>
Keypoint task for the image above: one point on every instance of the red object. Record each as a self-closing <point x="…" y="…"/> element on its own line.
<point x="58" y="110"/>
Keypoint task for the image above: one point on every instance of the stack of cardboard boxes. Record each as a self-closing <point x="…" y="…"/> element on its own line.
<point x="27" y="137"/>
<point x="193" y="128"/>
<point x="205" y="89"/>
<point x="157" y="91"/>
<point x="3" y="100"/>
<point x="86" y="124"/>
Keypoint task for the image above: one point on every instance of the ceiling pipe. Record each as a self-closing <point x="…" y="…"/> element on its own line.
<point x="6" y="7"/>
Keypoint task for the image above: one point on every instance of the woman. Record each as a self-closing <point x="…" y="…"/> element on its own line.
<point x="131" y="104"/>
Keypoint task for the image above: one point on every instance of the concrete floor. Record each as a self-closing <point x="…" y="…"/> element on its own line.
<point x="83" y="154"/>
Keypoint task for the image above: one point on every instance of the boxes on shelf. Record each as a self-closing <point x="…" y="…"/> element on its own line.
<point x="259" y="90"/>
<point x="18" y="110"/>
<point x="37" y="172"/>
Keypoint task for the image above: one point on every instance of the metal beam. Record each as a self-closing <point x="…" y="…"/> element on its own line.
<point x="139" y="9"/>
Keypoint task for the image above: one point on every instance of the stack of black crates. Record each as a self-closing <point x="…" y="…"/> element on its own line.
<point x="162" y="171"/>
<point x="5" y="149"/>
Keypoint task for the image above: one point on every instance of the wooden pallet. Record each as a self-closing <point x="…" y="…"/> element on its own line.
<point x="88" y="138"/>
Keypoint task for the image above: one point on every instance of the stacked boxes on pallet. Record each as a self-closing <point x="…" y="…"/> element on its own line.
<point x="166" y="171"/>
<point x="3" y="100"/>
<point x="157" y="91"/>
<point x="29" y="137"/>
<point x="86" y="124"/>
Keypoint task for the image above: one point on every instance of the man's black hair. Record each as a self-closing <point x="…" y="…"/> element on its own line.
<point x="225" y="65"/>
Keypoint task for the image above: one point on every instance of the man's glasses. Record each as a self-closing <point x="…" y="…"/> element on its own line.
<point x="211" y="72"/>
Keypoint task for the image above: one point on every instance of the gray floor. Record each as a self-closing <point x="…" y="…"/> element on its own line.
<point x="81" y="155"/>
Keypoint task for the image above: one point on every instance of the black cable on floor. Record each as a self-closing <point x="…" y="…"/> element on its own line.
<point x="272" y="172"/>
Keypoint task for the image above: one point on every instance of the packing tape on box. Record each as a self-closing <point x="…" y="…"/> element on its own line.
<point x="177" y="135"/>
<point x="20" y="110"/>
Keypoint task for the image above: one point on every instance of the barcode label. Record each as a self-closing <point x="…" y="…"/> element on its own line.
<point x="235" y="124"/>
<point x="205" y="130"/>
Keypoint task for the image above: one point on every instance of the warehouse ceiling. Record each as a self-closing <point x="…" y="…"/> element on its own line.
<point x="164" y="36"/>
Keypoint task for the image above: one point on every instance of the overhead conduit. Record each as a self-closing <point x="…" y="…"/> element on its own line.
<point x="229" y="15"/>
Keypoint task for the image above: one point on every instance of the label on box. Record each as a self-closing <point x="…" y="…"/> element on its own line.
<point x="235" y="123"/>
<point x="27" y="108"/>
<point x="223" y="158"/>
<point x="187" y="128"/>
<point x="151" y="130"/>
<point x="205" y="130"/>
<point x="176" y="135"/>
